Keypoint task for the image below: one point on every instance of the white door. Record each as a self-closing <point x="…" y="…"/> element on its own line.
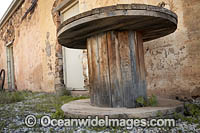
<point x="73" y="69"/>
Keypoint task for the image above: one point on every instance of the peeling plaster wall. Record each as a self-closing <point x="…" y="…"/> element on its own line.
<point x="172" y="62"/>
<point x="33" y="47"/>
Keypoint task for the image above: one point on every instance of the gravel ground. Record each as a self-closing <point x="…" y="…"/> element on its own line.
<point x="12" y="118"/>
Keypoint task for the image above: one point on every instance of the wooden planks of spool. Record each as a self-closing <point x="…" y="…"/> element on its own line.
<point x="113" y="37"/>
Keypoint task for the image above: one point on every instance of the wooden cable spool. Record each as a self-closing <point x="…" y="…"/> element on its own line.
<point x="114" y="39"/>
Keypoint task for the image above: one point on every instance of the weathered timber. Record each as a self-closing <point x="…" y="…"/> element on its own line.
<point x="116" y="68"/>
<point x="114" y="39"/>
<point x="74" y="32"/>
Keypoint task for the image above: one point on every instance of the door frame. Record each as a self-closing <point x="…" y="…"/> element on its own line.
<point x="10" y="66"/>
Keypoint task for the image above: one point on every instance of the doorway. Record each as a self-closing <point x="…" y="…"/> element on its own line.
<point x="73" y="59"/>
<point x="10" y="66"/>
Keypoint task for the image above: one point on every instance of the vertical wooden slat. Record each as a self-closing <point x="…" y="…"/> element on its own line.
<point x="136" y="52"/>
<point x="125" y="63"/>
<point x="142" y="83"/>
<point x="95" y="70"/>
<point x="105" y="93"/>
<point x="134" y="69"/>
<point x="89" y="52"/>
<point x="115" y="70"/>
<point x="138" y="68"/>
<point x="141" y="55"/>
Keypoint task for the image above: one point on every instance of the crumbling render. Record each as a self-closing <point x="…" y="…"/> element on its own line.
<point x="31" y="9"/>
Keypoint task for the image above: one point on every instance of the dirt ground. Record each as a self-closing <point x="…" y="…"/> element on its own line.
<point x="15" y="107"/>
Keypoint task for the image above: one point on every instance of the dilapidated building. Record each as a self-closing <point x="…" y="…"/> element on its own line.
<point x="34" y="60"/>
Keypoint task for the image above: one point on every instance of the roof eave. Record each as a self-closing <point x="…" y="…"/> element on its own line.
<point x="10" y="11"/>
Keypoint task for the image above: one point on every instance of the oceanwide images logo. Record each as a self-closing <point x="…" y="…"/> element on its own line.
<point x="90" y="121"/>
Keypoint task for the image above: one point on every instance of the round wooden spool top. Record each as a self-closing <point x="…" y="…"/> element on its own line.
<point x="152" y="21"/>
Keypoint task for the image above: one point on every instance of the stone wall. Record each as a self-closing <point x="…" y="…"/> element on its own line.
<point x="34" y="46"/>
<point x="172" y="62"/>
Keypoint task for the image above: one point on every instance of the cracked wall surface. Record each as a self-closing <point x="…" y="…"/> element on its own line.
<point x="172" y="62"/>
<point x="33" y="47"/>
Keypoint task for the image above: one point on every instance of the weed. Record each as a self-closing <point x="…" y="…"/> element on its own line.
<point x="59" y="114"/>
<point x="34" y="103"/>
<point x="59" y="101"/>
<point x="192" y="110"/>
<point x="191" y="114"/>
<point x="2" y="125"/>
<point x="12" y="97"/>
<point x="151" y="101"/>
<point x="140" y="101"/>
